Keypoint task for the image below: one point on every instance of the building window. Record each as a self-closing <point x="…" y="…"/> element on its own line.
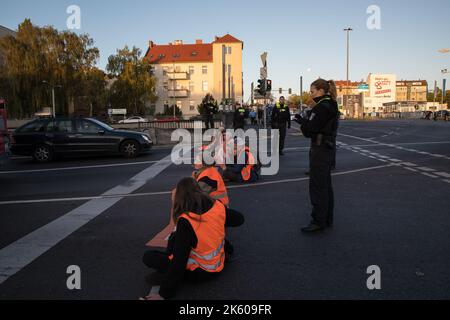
<point x="204" y="69"/>
<point x="191" y="86"/>
<point x="191" y="105"/>
<point x="191" y="69"/>
<point x="205" y="86"/>
<point x="229" y="50"/>
<point x="179" y="104"/>
<point x="166" y="85"/>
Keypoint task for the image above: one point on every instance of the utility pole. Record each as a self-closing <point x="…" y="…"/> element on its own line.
<point x="348" y="54"/>
<point x="223" y="74"/>
<point x="301" y="91"/>
<point x="252" y="94"/>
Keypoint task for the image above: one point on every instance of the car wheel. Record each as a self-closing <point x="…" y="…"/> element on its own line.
<point x="130" y="149"/>
<point x="42" y="153"/>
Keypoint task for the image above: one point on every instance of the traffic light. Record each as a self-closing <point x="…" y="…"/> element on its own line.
<point x="290" y="91"/>
<point x="268" y="85"/>
<point x="261" y="88"/>
<point x="280" y="90"/>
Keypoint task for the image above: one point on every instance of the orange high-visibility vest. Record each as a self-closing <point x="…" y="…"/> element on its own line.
<point x="250" y="162"/>
<point x="221" y="193"/>
<point x="209" y="228"/>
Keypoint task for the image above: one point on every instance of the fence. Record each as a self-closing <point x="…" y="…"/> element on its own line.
<point x="181" y="124"/>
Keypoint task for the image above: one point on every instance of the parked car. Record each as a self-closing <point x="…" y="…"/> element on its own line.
<point x="43" y="139"/>
<point x="133" y="120"/>
<point x="442" y="115"/>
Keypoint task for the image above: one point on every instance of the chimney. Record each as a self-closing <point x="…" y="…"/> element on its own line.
<point x="151" y="44"/>
<point x="178" y="42"/>
<point x="199" y="41"/>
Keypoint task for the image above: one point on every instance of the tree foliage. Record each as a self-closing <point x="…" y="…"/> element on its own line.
<point x="207" y="100"/>
<point x="37" y="54"/>
<point x="134" y="84"/>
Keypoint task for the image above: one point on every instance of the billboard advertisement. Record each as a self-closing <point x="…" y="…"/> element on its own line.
<point x="383" y="86"/>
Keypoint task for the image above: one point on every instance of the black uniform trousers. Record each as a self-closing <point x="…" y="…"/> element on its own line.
<point x="282" y="127"/>
<point x="320" y="187"/>
<point x="209" y="121"/>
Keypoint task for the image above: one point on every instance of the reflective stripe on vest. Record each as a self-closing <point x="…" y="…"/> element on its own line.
<point x="209" y="254"/>
<point x="221" y="192"/>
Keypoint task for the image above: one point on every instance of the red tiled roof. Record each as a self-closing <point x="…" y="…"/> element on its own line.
<point x="180" y="53"/>
<point x="228" y="38"/>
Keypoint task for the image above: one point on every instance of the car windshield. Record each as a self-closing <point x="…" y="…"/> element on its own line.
<point x="102" y="124"/>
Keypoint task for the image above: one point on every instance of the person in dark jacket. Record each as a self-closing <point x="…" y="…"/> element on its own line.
<point x="281" y="119"/>
<point x="210" y="109"/>
<point x="191" y="205"/>
<point x="240" y="114"/>
<point x="321" y="128"/>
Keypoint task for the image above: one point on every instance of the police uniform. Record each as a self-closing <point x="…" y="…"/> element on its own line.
<point x="281" y="117"/>
<point x="239" y="118"/>
<point x="321" y="128"/>
<point x="210" y="110"/>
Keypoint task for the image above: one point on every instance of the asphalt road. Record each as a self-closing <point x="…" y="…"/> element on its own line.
<point x="392" y="189"/>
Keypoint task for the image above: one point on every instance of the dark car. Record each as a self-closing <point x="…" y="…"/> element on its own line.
<point x="45" y="138"/>
<point x="4" y="138"/>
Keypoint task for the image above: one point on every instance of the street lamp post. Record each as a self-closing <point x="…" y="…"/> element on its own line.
<point x="348" y="54"/>
<point x="53" y="96"/>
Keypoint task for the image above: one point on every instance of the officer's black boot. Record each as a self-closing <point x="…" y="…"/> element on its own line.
<point x="312" y="227"/>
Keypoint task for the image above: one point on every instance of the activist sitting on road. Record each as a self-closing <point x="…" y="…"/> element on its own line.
<point x="197" y="248"/>
<point x="210" y="180"/>
<point x="245" y="172"/>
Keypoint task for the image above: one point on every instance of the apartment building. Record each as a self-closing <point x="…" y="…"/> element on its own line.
<point x="185" y="73"/>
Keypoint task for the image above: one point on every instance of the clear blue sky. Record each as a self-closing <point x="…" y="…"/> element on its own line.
<point x="301" y="37"/>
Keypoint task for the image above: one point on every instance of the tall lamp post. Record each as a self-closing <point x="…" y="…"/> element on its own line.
<point x="53" y="96"/>
<point x="348" y="54"/>
<point x="443" y="71"/>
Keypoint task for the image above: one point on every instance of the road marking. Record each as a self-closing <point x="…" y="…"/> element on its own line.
<point x="146" y="194"/>
<point x="396" y="145"/>
<point x="20" y="253"/>
<point x="429" y="175"/>
<point x="410" y="169"/>
<point x="425" y="169"/>
<point x="79" y="167"/>
<point x="443" y="174"/>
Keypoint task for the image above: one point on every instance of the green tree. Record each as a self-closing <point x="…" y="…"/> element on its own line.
<point x="38" y="54"/>
<point x="135" y="84"/>
<point x="295" y="99"/>
<point x="207" y="100"/>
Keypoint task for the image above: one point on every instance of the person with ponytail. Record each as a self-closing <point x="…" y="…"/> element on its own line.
<point x="321" y="128"/>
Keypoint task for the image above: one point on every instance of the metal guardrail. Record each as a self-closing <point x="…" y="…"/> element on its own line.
<point x="181" y="124"/>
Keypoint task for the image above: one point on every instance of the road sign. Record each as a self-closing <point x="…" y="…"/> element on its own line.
<point x="112" y="112"/>
<point x="264" y="59"/>
<point x="263" y="73"/>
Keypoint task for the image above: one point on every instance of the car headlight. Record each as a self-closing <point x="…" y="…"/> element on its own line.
<point x="146" y="138"/>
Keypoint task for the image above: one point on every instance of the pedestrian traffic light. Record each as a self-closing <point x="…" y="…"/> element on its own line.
<point x="290" y="91"/>
<point x="280" y="90"/>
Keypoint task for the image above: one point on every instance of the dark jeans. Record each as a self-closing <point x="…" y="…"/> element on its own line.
<point x="320" y="186"/>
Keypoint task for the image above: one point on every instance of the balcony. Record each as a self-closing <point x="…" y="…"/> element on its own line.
<point x="178" y="93"/>
<point x="177" y="75"/>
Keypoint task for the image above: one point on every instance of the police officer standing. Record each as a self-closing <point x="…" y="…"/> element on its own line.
<point x="240" y="114"/>
<point x="209" y="111"/>
<point x="281" y="118"/>
<point x="321" y="128"/>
